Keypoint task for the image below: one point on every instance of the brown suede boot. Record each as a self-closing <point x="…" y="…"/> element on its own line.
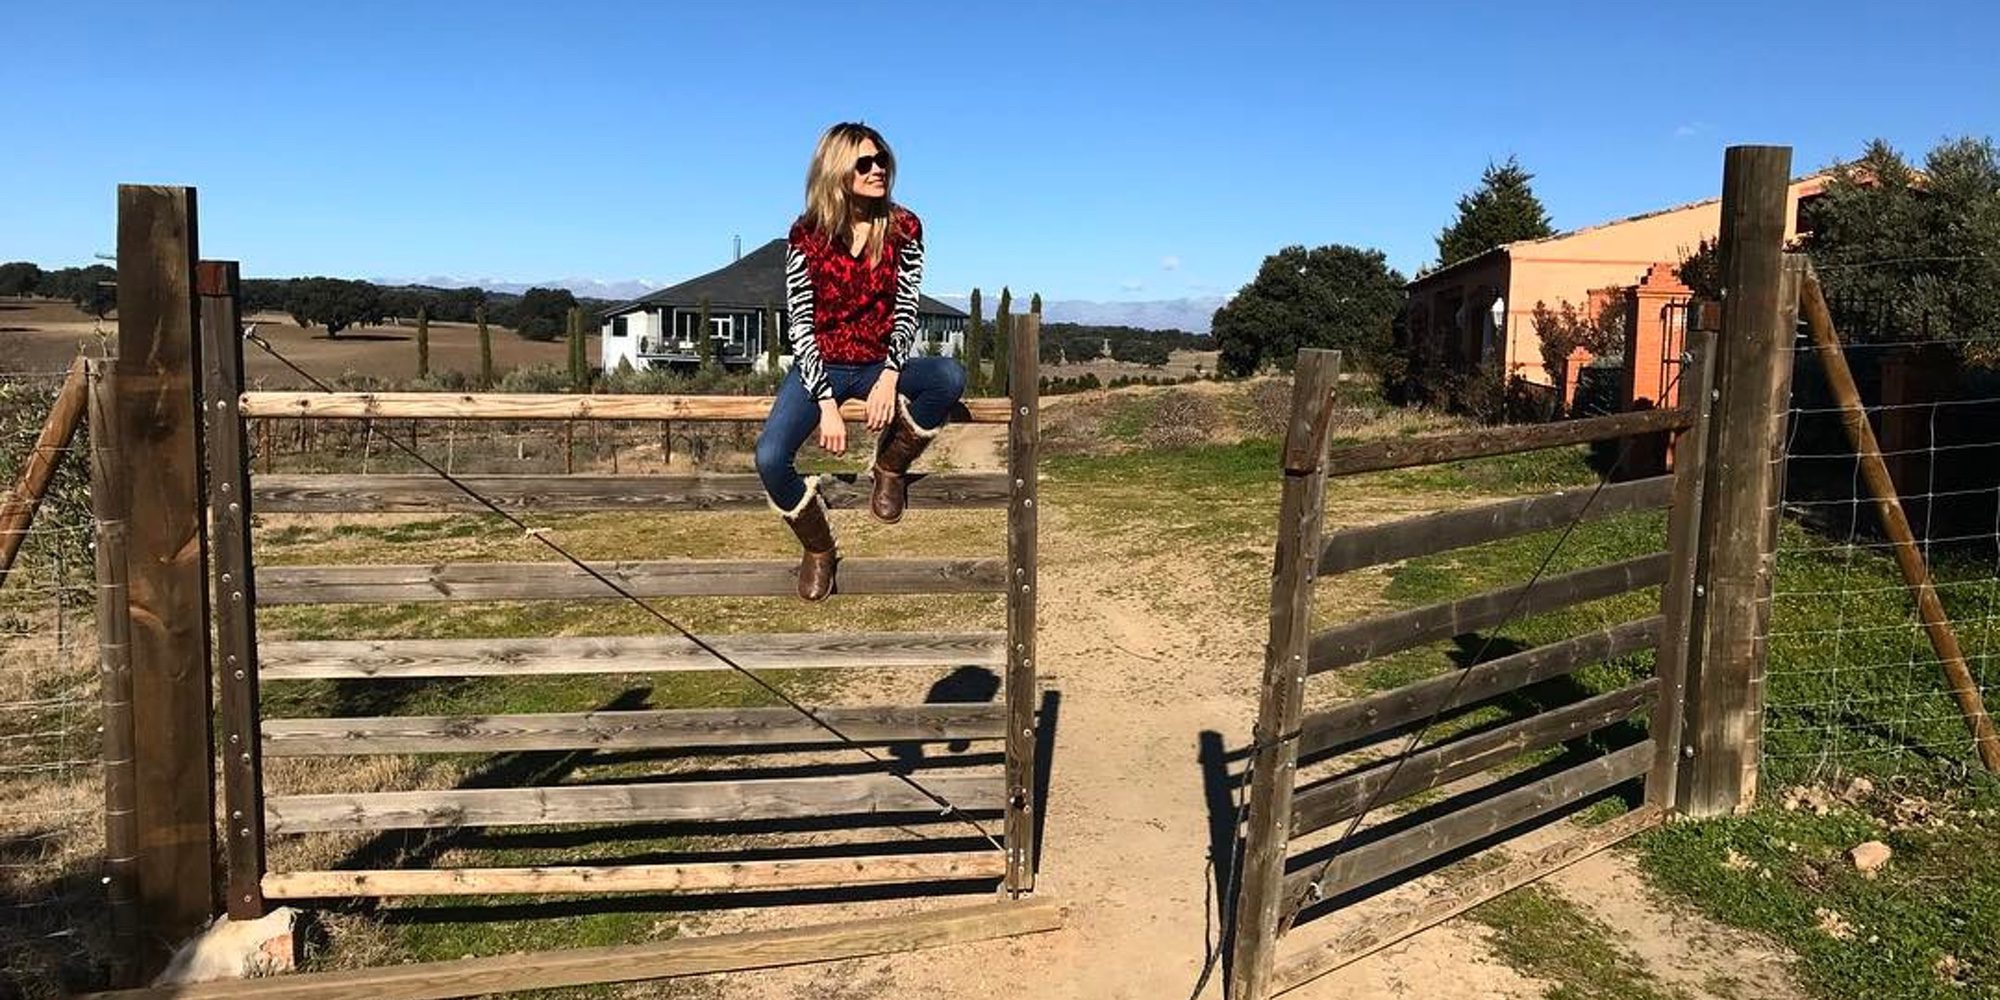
<point x="817" y="563"/>
<point x="898" y="446"/>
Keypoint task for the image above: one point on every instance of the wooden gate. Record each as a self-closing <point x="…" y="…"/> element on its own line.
<point x="874" y="792"/>
<point x="1301" y="856"/>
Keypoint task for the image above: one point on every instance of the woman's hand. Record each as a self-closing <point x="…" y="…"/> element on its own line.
<point x="882" y="400"/>
<point x="832" y="429"/>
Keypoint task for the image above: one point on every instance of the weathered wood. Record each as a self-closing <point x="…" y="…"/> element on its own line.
<point x="561" y="581"/>
<point x="1325" y="803"/>
<point x="551" y="406"/>
<point x="1402" y="453"/>
<point x="159" y="441"/>
<point x="1452" y="529"/>
<point x="630" y="730"/>
<point x="335" y="659"/>
<point x="1456" y="897"/>
<point x="235" y="597"/>
<point x="732" y="876"/>
<point x="693" y="801"/>
<point x="428" y="494"/>
<point x="1677" y="595"/>
<point x="1916" y="572"/>
<point x="1023" y="586"/>
<point x="114" y="654"/>
<point x="1753" y="368"/>
<point x="1272" y="770"/>
<point x="1368" y="638"/>
<point x="682" y="956"/>
<point x="1361" y="865"/>
<point x="17" y="508"/>
<point x="1391" y="710"/>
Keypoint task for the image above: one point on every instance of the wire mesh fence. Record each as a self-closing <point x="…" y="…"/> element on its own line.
<point x="1854" y="685"/>
<point x="53" y="933"/>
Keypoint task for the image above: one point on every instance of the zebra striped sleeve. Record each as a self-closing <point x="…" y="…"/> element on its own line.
<point x="909" y="278"/>
<point x="799" y="307"/>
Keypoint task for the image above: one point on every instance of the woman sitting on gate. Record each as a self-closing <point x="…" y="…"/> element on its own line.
<point x="852" y="267"/>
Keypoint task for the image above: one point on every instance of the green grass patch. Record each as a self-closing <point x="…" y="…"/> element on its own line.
<point x="1786" y="874"/>
<point x="1540" y="934"/>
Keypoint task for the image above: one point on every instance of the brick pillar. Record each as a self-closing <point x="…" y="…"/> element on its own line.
<point x="1653" y="335"/>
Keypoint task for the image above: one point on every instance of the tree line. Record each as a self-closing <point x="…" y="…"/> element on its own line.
<point x="333" y="304"/>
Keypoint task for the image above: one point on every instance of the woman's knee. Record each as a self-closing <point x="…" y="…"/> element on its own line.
<point x="773" y="460"/>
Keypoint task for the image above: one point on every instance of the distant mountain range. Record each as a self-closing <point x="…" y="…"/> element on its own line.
<point x="1190" y="314"/>
<point x="588" y="288"/>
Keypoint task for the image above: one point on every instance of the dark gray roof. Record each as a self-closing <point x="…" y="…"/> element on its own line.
<point x="756" y="281"/>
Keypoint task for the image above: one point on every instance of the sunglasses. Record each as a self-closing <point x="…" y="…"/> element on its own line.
<point x="867" y="164"/>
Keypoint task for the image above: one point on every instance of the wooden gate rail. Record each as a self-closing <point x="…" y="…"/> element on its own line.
<point x="563" y="581"/>
<point x="548" y="406"/>
<point x="1283" y="877"/>
<point x="428" y="494"/>
<point x="348" y="659"/>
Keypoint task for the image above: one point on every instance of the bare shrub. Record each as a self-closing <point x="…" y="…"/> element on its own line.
<point x="1181" y="419"/>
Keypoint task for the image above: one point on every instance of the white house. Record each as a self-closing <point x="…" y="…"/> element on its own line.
<point x="745" y="307"/>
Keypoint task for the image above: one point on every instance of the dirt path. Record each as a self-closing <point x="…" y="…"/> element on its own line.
<point x="1127" y="835"/>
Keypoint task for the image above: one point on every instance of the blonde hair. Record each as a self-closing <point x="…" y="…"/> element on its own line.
<point x="830" y="205"/>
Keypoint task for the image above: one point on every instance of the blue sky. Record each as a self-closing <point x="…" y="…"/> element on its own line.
<point x="1103" y="151"/>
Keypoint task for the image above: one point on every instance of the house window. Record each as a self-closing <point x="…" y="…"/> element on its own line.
<point x="618" y="326"/>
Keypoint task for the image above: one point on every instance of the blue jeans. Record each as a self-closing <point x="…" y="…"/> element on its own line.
<point x="931" y="385"/>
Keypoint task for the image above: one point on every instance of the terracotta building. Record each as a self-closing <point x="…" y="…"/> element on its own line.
<point x="1480" y="311"/>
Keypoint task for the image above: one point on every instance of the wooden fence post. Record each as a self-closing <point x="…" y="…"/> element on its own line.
<point x="1677" y="597"/>
<point x="17" y="507"/>
<point x="1259" y="905"/>
<point x="1023" y="444"/>
<point x="114" y="654"/>
<point x="235" y="597"/>
<point x="1736" y="544"/>
<point x="159" y="446"/>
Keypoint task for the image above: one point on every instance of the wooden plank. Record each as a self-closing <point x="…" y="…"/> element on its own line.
<point x="1447" y="901"/>
<point x="114" y="654"/>
<point x="17" y="508"/>
<point x="682" y="956"/>
<point x="335" y="659"/>
<point x="629" y="730"/>
<point x="159" y="441"/>
<point x="1301" y="501"/>
<point x="1354" y="642"/>
<point x="1325" y="803"/>
<point x="235" y="598"/>
<point x="1916" y="572"/>
<point x="1677" y="596"/>
<point x="690" y="801"/>
<point x="1421" y="536"/>
<point x="428" y="494"/>
<point x="1361" y="865"/>
<point x="1391" y="710"/>
<point x="733" y="876"/>
<point x="1402" y="453"/>
<point x="561" y="581"/>
<point x="1753" y="369"/>
<point x="552" y="406"/>
<point x="1023" y="587"/>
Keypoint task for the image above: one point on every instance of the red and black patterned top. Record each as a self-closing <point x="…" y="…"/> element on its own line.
<point x="847" y="311"/>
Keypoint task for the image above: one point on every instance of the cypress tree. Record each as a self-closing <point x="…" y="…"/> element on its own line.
<point x="774" y="335"/>
<point x="704" y="342"/>
<point x="423" y="343"/>
<point x="1502" y="209"/>
<point x="1035" y="304"/>
<point x="578" y="372"/>
<point x="975" y="347"/>
<point x="485" y="347"/>
<point x="1003" y="348"/>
